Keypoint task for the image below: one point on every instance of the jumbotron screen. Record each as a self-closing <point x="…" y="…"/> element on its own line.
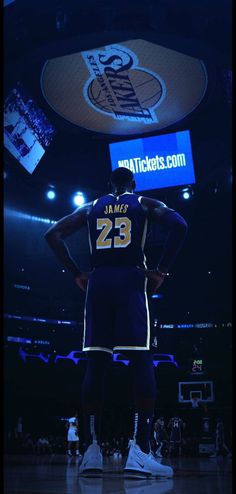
<point x="27" y="131"/>
<point x="156" y="162"/>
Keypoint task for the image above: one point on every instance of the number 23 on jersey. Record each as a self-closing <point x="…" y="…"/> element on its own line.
<point x="123" y="239"/>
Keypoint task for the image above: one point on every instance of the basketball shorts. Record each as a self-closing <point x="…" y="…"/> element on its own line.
<point x="116" y="310"/>
<point x="72" y="435"/>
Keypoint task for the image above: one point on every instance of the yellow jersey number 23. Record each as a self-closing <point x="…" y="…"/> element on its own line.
<point x="123" y="239"/>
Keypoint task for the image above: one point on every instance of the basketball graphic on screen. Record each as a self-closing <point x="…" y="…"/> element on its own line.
<point x="147" y="88"/>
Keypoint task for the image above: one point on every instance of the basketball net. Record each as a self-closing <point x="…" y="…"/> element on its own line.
<point x="194" y="402"/>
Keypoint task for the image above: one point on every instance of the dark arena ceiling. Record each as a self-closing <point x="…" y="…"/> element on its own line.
<point x="188" y="44"/>
<point x="40" y="31"/>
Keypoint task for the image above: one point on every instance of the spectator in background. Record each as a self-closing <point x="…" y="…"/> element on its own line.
<point x="116" y="448"/>
<point x="221" y="447"/>
<point x="160" y="435"/>
<point x="72" y="435"/>
<point x="123" y="446"/>
<point x="43" y="445"/>
<point x="28" y="444"/>
<point x="19" y="428"/>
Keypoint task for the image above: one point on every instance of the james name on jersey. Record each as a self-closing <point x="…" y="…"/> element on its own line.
<point x="116" y="208"/>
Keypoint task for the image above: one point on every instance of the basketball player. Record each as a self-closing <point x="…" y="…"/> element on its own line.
<point x="176" y="427"/>
<point x="116" y="310"/>
<point x="72" y="435"/>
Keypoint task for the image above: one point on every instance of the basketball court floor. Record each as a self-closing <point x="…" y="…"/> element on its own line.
<point x="57" y="474"/>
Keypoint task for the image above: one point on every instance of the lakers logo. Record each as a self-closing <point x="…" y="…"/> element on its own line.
<point x="119" y="87"/>
<point x="126" y="88"/>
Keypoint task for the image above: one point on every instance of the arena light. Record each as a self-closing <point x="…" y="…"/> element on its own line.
<point x="79" y="199"/>
<point x="51" y="194"/>
<point x="21" y="215"/>
<point x="187" y="193"/>
<point x="41" y="220"/>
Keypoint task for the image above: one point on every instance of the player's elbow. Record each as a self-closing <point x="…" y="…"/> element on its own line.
<point x="51" y="235"/>
<point x="177" y="222"/>
<point x="48" y="235"/>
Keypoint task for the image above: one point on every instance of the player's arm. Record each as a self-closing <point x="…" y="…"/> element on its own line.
<point x="174" y="223"/>
<point x="176" y="227"/>
<point x="65" y="227"/>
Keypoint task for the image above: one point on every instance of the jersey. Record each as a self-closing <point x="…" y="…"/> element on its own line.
<point x="176" y="425"/>
<point x="117" y="231"/>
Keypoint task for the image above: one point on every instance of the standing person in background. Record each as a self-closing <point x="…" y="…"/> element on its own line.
<point x="43" y="445"/>
<point x="221" y="447"/>
<point x="116" y="308"/>
<point x="176" y="426"/>
<point x="160" y="436"/>
<point x="19" y="428"/>
<point x="72" y="435"/>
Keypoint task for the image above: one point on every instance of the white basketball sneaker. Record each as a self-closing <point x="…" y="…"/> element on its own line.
<point x="91" y="464"/>
<point x="142" y="465"/>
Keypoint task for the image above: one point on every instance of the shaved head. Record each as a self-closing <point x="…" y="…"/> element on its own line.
<point x="122" y="178"/>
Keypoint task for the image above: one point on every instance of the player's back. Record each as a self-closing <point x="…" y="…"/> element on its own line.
<point x="117" y="230"/>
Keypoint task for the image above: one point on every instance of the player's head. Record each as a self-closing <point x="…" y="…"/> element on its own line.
<point x="122" y="179"/>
